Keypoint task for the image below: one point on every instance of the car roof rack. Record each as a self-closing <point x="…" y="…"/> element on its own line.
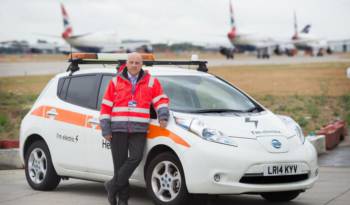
<point x="76" y="59"/>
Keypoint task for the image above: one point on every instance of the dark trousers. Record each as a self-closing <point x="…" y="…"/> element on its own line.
<point x="124" y="166"/>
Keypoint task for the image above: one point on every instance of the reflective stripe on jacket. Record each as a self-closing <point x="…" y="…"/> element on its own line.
<point x="124" y="111"/>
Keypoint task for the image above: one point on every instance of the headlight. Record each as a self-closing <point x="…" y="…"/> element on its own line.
<point x="291" y="124"/>
<point x="200" y="129"/>
<point x="300" y="133"/>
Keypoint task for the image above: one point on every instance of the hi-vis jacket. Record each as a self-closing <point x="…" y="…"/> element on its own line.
<point x="125" y="110"/>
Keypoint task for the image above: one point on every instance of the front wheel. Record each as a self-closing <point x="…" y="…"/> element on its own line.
<point x="39" y="170"/>
<point x="280" y="196"/>
<point x="166" y="181"/>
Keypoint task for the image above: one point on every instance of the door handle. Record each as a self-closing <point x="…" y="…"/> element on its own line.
<point x="52" y="112"/>
<point x="94" y="121"/>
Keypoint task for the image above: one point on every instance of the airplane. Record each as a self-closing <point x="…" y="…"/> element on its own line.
<point x="248" y="41"/>
<point x="106" y="42"/>
<point x="263" y="45"/>
<point x="307" y="42"/>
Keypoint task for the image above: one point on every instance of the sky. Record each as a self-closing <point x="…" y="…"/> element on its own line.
<point x="172" y="21"/>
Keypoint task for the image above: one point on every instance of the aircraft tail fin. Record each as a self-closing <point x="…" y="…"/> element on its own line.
<point x="295" y="36"/>
<point x="68" y="31"/>
<point x="232" y="18"/>
<point x="306" y="29"/>
<point x="232" y="33"/>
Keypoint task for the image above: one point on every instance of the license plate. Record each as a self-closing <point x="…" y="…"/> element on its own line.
<point x="281" y="169"/>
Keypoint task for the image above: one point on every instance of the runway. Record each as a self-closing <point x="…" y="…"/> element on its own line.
<point x="54" y="67"/>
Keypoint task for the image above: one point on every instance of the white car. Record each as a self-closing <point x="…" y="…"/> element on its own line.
<point x="218" y="139"/>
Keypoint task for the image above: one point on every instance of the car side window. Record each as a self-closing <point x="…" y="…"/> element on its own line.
<point x="60" y="85"/>
<point x="62" y="92"/>
<point x="80" y="90"/>
<point x="104" y="83"/>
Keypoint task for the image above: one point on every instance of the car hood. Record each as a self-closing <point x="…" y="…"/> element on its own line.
<point x="243" y="125"/>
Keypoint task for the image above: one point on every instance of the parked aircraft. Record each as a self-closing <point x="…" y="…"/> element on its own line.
<point x="304" y="40"/>
<point x="100" y="41"/>
<point x="264" y="45"/>
<point x="249" y="41"/>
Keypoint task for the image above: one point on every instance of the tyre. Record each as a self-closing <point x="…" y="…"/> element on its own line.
<point x="165" y="180"/>
<point x="280" y="196"/>
<point x="40" y="173"/>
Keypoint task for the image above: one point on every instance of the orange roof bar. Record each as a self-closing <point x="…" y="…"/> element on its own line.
<point x="108" y="56"/>
<point x="83" y="56"/>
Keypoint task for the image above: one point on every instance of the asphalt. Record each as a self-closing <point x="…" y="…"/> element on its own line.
<point x="332" y="188"/>
<point x="339" y="157"/>
<point x="54" y="67"/>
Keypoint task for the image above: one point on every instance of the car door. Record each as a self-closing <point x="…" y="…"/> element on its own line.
<point x="77" y="96"/>
<point x="99" y="154"/>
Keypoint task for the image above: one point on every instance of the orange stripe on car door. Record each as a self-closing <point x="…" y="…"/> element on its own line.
<point x="78" y="119"/>
<point x="66" y="116"/>
<point x="156" y="131"/>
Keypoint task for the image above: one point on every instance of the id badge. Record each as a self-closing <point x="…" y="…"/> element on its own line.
<point x="132" y="103"/>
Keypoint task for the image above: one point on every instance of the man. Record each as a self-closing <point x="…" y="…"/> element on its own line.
<point x="124" y="119"/>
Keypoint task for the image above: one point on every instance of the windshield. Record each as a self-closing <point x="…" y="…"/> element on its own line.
<point x="204" y="94"/>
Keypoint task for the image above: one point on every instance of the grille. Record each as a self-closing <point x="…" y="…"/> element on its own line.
<point x="273" y="179"/>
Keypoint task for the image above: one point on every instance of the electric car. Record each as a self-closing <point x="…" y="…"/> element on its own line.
<point x="219" y="140"/>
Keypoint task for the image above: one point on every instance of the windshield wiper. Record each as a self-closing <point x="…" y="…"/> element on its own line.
<point x="253" y="109"/>
<point x="215" y="111"/>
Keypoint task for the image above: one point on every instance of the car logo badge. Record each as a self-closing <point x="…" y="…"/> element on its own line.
<point x="247" y="119"/>
<point x="276" y="143"/>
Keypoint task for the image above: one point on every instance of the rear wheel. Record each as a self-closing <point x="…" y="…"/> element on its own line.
<point x="280" y="196"/>
<point x="165" y="180"/>
<point x="40" y="173"/>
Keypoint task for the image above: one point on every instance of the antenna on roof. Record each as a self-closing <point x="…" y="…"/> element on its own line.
<point x="73" y="66"/>
<point x="71" y="51"/>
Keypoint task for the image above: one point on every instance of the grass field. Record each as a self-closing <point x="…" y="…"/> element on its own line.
<point x="314" y="79"/>
<point x="313" y="94"/>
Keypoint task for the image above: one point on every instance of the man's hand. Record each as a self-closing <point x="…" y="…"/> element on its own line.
<point x="163" y="123"/>
<point x="108" y="138"/>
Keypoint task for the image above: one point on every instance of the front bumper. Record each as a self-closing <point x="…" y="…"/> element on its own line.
<point x="206" y="160"/>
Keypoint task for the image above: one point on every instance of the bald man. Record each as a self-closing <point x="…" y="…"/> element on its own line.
<point x="124" y="120"/>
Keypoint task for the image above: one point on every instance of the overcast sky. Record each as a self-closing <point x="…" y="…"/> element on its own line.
<point x="173" y="20"/>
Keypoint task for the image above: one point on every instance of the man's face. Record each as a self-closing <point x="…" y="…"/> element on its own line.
<point x="134" y="63"/>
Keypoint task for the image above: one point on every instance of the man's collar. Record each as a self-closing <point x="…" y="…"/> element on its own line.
<point x="124" y="73"/>
<point x="133" y="76"/>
